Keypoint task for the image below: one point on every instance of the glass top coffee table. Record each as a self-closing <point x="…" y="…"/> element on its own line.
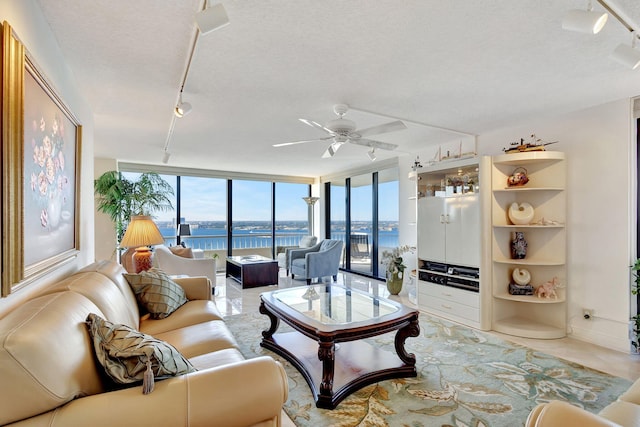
<point x="323" y="316"/>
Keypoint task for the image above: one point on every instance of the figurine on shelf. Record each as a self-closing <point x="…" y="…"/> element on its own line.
<point x="520" y="284"/>
<point x="548" y="289"/>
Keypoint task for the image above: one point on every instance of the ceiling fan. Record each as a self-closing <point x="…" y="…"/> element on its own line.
<point x="343" y="130"/>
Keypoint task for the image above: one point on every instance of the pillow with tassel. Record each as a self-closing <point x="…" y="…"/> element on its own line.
<point x="129" y="356"/>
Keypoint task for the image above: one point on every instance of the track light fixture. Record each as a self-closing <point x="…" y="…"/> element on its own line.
<point x="372" y="154"/>
<point x="627" y="55"/>
<point x="585" y="21"/>
<point x="183" y="108"/>
<point x="165" y="157"/>
<point x="212" y="18"/>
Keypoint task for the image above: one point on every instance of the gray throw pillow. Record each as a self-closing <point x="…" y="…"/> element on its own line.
<point x="129" y="356"/>
<point x="156" y="292"/>
<point x="308" y="241"/>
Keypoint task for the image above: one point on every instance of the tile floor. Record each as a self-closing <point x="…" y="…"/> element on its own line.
<point x="231" y="299"/>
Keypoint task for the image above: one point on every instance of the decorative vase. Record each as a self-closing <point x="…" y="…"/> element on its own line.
<point x="54" y="211"/>
<point x="518" y="246"/>
<point x="394" y="283"/>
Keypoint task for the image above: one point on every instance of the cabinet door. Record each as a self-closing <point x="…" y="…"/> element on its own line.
<point x="431" y="229"/>
<point x="463" y="230"/>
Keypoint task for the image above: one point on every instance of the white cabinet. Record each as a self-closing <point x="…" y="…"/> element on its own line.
<point x="449" y="225"/>
<point x="528" y="315"/>
<point x="453" y="227"/>
<point x="452" y="241"/>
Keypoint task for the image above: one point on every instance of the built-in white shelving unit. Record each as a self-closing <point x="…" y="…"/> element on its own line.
<point x="528" y="315"/>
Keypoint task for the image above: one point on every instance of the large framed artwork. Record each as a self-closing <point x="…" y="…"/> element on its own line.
<point x="44" y="176"/>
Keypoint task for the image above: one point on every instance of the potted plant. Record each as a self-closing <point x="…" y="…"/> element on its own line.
<point x="394" y="265"/>
<point x="121" y="198"/>
<point x="635" y="320"/>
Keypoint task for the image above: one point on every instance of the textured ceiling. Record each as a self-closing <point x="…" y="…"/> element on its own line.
<point x="472" y="66"/>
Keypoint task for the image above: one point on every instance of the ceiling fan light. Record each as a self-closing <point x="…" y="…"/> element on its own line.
<point x="182" y="109"/>
<point x="372" y="154"/>
<point x="165" y="157"/>
<point x="212" y="18"/>
<point x="584" y="21"/>
<point x="627" y="55"/>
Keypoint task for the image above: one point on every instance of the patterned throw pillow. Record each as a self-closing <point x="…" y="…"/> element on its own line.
<point x="156" y="292"/>
<point x="129" y="356"/>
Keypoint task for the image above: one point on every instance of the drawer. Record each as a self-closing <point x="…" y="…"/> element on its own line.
<point x="458" y="296"/>
<point x="449" y="309"/>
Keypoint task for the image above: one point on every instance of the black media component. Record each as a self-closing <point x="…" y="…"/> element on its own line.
<point x="455" y="276"/>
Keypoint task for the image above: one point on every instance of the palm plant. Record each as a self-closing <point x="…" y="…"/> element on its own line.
<point x="121" y="198"/>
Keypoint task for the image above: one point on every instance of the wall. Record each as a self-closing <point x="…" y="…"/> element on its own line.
<point x="601" y="212"/>
<point x="28" y="23"/>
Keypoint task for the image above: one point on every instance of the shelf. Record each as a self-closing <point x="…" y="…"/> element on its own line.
<point x="531" y="299"/>
<point x="532" y="262"/>
<point x="527" y="226"/>
<point x="526" y="189"/>
<point x="518" y="159"/>
<point x="527" y="328"/>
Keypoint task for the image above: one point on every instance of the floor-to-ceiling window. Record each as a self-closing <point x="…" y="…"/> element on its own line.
<point x="251" y="217"/>
<point x="203" y="206"/>
<point x="363" y="211"/>
<point x="291" y="213"/>
<point x="336" y="218"/>
<point x="361" y="225"/>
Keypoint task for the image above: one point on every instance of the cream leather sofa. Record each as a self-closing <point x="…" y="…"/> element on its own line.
<point x="49" y="375"/>
<point x="623" y="412"/>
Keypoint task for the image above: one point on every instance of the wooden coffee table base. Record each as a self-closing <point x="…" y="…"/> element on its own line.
<point x="335" y="370"/>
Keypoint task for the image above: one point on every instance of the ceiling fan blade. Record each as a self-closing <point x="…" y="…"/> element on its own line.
<point x="316" y="125"/>
<point x="283" y="144"/>
<point x="384" y="128"/>
<point x="374" y="144"/>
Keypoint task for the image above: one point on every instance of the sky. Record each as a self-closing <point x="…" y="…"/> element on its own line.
<point x="204" y="199"/>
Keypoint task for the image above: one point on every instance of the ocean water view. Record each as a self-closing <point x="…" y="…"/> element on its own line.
<point x="212" y="235"/>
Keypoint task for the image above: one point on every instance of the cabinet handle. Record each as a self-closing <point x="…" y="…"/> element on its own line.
<point x="448" y="307"/>
<point x="446" y="219"/>
<point x="442" y="220"/>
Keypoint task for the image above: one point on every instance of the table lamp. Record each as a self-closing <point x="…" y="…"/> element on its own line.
<point x="141" y="233"/>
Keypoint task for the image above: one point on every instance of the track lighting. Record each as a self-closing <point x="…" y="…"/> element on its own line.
<point x="585" y="21"/>
<point x="212" y="18"/>
<point x="165" y="157"/>
<point x="372" y="154"/>
<point x="331" y="151"/>
<point x="183" y="108"/>
<point x="627" y="55"/>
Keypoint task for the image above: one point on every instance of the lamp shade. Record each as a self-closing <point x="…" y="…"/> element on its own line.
<point x="142" y="231"/>
<point x="184" y="230"/>
<point x="584" y="21"/>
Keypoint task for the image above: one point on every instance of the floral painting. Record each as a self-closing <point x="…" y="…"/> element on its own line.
<point x="50" y="150"/>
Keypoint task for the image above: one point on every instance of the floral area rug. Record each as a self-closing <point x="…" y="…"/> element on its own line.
<point x="465" y="378"/>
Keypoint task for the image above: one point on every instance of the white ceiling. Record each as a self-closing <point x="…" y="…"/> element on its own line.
<point x="472" y="66"/>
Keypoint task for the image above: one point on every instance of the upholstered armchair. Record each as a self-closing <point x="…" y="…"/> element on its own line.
<point x="320" y="260"/>
<point x="283" y="251"/>
<point x="173" y="264"/>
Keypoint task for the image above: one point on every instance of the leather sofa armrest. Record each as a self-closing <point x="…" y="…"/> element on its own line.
<point x="562" y="414"/>
<point x="234" y="395"/>
<point x="198" y="287"/>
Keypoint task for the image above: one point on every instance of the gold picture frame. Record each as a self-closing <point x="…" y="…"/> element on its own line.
<point x="41" y="150"/>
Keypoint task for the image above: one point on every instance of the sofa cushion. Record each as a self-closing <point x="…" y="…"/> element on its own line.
<point x="46" y="358"/>
<point x="126" y="353"/>
<point x="156" y="292"/>
<point x="180" y="251"/>
<point x="203" y="338"/>
<point x="191" y="313"/>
